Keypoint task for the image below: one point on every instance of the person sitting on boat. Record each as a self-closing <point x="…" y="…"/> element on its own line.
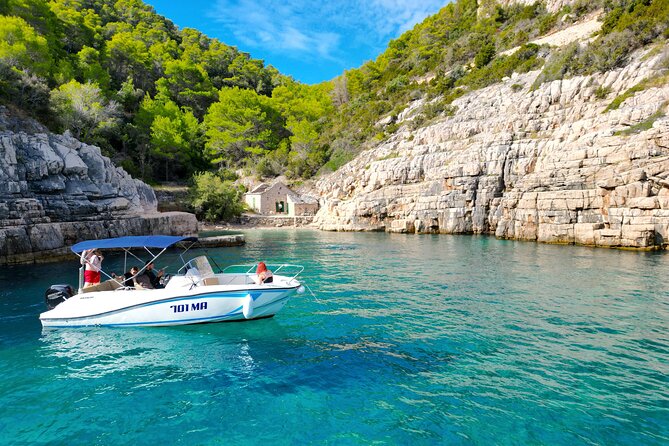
<point x="143" y="282"/>
<point x="264" y="275"/>
<point x="129" y="277"/>
<point x="154" y="277"/>
<point x="92" y="259"/>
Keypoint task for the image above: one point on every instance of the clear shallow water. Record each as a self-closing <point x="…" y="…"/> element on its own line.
<point x="412" y="339"/>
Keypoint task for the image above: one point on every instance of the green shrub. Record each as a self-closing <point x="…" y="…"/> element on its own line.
<point x="438" y="108"/>
<point x="522" y="61"/>
<point x="24" y="89"/>
<point x="129" y="166"/>
<point x="338" y="159"/>
<point x="453" y="95"/>
<point x="262" y="167"/>
<point x="646" y="18"/>
<point x="227" y="174"/>
<point x="214" y="199"/>
<point x="398" y="83"/>
<point x="557" y="65"/>
<point x="602" y="92"/>
<point x="417" y="122"/>
<point x="391" y="128"/>
<point x="582" y="7"/>
<point x="485" y="55"/>
<point x="604" y="54"/>
<point x="547" y="22"/>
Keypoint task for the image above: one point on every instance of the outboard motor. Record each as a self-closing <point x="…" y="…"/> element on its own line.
<point x="57" y="294"/>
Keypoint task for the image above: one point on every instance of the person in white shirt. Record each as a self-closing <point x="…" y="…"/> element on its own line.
<point x="92" y="259"/>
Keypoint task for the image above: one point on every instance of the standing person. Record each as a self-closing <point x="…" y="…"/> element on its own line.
<point x="264" y="275"/>
<point x="92" y="259"/>
<point x="154" y="277"/>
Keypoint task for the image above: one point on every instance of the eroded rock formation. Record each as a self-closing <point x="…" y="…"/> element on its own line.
<point x="56" y="191"/>
<point x="551" y="165"/>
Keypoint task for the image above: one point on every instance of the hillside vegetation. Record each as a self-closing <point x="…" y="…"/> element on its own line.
<point x="461" y="49"/>
<point x="162" y="102"/>
<point x="167" y="103"/>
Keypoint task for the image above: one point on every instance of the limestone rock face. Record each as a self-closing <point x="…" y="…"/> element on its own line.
<point x="56" y="191"/>
<point x="550" y="165"/>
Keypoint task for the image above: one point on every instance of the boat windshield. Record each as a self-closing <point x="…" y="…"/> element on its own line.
<point x="201" y="264"/>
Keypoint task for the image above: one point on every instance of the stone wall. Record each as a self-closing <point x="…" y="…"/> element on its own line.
<point x="56" y="191"/>
<point x="276" y="221"/>
<point x="551" y="165"/>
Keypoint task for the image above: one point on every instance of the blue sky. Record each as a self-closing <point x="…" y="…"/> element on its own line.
<point x="309" y="40"/>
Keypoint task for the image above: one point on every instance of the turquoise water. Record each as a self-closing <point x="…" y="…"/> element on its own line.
<point x="410" y="340"/>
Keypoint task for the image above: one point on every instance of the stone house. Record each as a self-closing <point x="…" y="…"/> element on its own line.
<point x="278" y="199"/>
<point x="301" y="205"/>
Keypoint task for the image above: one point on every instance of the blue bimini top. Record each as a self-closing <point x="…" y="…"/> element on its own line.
<point x="139" y="241"/>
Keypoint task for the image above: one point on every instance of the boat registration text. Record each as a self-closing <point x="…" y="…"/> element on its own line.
<point x="181" y="308"/>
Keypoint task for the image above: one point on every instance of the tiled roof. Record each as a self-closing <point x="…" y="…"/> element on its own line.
<point x="301" y="198"/>
<point x="262" y="187"/>
<point x="295" y="198"/>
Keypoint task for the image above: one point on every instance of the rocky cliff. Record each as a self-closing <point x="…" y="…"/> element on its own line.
<point x="56" y="191"/>
<point x="551" y="165"/>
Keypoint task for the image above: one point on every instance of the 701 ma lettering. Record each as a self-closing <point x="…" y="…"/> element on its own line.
<point x="186" y="307"/>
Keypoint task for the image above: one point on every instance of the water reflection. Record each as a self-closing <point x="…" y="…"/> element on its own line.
<point x="94" y="353"/>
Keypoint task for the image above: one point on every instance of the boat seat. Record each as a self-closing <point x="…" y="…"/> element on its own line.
<point x="107" y="285"/>
<point x="210" y="281"/>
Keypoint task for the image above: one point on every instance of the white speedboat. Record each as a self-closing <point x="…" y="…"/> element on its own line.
<point x="195" y="294"/>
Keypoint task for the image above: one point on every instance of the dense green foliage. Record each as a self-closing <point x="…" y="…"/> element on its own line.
<point x="627" y="26"/>
<point x="450" y="53"/>
<point x="214" y="198"/>
<point x="166" y="103"/>
<point x="462" y="48"/>
<point x="161" y="102"/>
<point x="82" y="109"/>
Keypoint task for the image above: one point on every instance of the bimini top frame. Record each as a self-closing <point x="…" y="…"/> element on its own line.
<point x="126" y="244"/>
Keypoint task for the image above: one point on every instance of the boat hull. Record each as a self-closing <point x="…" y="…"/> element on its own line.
<point x="153" y="308"/>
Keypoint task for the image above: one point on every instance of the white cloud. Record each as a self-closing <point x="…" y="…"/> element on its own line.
<point x="305" y="29"/>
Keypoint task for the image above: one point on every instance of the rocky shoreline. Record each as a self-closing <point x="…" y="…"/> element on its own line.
<point x="56" y="191"/>
<point x="552" y="165"/>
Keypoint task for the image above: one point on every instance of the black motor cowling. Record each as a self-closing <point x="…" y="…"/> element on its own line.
<point x="57" y="294"/>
